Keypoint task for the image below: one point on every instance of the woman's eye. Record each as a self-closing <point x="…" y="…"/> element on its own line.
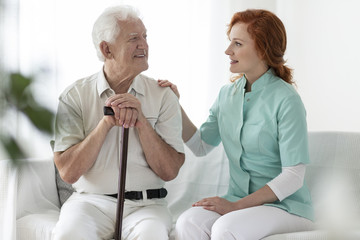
<point x="237" y="44"/>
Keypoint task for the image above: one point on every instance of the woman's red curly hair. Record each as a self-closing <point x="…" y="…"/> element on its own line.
<point x="269" y="35"/>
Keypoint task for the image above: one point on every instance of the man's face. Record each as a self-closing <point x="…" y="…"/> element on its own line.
<point x="130" y="49"/>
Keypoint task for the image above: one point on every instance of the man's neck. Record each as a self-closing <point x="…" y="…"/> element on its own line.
<point x="119" y="81"/>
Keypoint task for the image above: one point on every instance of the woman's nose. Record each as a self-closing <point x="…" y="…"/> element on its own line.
<point x="228" y="51"/>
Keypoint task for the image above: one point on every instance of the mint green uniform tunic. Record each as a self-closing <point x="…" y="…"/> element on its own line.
<point x="261" y="131"/>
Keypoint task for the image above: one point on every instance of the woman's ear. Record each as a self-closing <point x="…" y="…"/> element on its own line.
<point x="105" y="50"/>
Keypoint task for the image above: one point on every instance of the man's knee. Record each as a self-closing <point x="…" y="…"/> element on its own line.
<point x="190" y="218"/>
<point x="81" y="224"/>
<point x="73" y="233"/>
<point x="150" y="229"/>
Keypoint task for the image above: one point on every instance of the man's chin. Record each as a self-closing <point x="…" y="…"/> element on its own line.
<point x="143" y="68"/>
<point x="146" y="67"/>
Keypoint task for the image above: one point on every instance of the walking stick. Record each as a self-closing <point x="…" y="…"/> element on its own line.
<point x="122" y="177"/>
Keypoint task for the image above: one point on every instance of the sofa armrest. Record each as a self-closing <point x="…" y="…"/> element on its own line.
<point x="26" y="188"/>
<point x="333" y="178"/>
<point x="36" y="189"/>
<point x="8" y="191"/>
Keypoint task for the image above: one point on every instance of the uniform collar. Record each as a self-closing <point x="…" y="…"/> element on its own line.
<point x="239" y="84"/>
<point x="267" y="78"/>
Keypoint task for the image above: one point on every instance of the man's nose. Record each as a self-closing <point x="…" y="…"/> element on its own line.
<point x="143" y="44"/>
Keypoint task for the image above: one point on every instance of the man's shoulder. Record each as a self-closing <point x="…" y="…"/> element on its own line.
<point x="147" y="81"/>
<point x="150" y="84"/>
<point x="154" y="94"/>
<point x="82" y="84"/>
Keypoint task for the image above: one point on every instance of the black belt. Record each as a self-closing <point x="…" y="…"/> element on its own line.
<point x="138" y="195"/>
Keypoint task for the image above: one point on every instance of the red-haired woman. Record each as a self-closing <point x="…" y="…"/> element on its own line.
<point x="260" y="119"/>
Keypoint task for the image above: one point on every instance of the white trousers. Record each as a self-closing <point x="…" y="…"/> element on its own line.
<point x="247" y="224"/>
<point x="93" y="216"/>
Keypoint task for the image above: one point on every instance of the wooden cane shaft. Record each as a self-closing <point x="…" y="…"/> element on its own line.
<point x="121" y="184"/>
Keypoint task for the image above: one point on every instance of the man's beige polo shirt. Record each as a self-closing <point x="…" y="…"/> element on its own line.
<point x="81" y="108"/>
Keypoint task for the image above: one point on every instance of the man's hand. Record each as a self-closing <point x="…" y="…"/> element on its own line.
<point x="127" y="110"/>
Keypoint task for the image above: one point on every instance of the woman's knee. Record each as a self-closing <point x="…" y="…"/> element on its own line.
<point x="195" y="223"/>
<point x="222" y="229"/>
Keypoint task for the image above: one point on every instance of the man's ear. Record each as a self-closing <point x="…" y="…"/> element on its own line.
<point x="105" y="50"/>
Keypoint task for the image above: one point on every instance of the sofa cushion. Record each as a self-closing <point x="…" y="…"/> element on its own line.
<point x="64" y="189"/>
<point x="36" y="226"/>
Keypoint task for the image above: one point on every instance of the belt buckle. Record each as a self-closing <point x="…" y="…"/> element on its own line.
<point x="138" y="195"/>
<point x="163" y="193"/>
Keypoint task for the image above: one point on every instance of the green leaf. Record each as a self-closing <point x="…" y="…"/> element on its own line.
<point x="17" y="87"/>
<point x="12" y="148"/>
<point x="41" y="117"/>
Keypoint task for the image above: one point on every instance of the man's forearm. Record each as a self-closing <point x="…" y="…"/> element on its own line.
<point x="78" y="159"/>
<point x="163" y="159"/>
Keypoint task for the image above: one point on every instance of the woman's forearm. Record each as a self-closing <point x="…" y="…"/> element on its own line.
<point x="258" y="198"/>
<point x="188" y="127"/>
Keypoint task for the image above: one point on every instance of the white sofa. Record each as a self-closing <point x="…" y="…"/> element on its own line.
<point x="29" y="200"/>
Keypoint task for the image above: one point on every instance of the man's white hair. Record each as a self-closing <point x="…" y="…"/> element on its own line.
<point x="106" y="27"/>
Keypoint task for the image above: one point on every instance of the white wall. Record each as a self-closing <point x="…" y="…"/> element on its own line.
<point x="323" y="48"/>
<point x="187" y="41"/>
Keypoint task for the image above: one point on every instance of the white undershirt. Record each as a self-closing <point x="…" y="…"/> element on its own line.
<point x="286" y="183"/>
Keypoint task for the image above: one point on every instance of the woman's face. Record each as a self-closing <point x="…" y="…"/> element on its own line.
<point x="244" y="58"/>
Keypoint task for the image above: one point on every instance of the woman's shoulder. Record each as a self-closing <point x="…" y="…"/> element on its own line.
<point x="233" y="87"/>
<point x="286" y="95"/>
<point x="283" y="89"/>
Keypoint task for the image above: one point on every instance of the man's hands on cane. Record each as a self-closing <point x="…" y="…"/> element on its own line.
<point x="127" y="110"/>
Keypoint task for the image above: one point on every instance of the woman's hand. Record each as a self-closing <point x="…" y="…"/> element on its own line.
<point x="216" y="204"/>
<point x="166" y="83"/>
<point x="223" y="206"/>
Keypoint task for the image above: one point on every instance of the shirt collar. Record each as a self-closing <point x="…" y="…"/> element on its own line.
<point x="103" y="85"/>
<point x="138" y="85"/>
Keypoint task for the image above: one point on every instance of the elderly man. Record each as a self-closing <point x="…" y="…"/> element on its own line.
<point x="87" y="143"/>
